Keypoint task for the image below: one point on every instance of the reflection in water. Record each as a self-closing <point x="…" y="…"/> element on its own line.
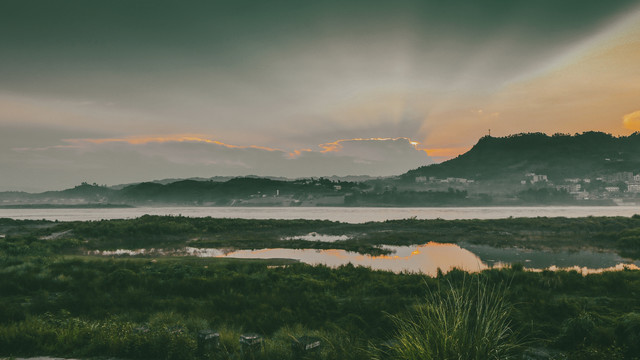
<point x="543" y="259"/>
<point x="425" y="258"/>
<point x="429" y="257"/>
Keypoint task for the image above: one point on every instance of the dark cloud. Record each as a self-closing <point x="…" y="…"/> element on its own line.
<point x="292" y="73"/>
<point x="44" y="42"/>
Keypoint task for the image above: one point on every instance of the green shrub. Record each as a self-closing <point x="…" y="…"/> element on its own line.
<point x="468" y="323"/>
<point x="628" y="334"/>
<point x="577" y="331"/>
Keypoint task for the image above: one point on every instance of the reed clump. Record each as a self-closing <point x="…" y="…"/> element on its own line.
<point x="469" y="322"/>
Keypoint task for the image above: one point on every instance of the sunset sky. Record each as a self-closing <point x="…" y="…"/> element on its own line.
<point x="122" y="91"/>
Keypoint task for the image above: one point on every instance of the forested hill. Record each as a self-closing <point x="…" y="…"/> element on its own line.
<point x="248" y="190"/>
<point x="204" y="191"/>
<point x="558" y="156"/>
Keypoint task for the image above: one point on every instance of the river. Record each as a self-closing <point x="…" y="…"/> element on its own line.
<point x="343" y="214"/>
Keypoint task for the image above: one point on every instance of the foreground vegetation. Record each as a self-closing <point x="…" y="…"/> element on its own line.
<point x="153" y="309"/>
<point x="54" y="300"/>
<point x="461" y="323"/>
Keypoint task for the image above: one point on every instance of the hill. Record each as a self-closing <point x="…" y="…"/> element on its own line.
<point x="236" y="191"/>
<point x="559" y="156"/>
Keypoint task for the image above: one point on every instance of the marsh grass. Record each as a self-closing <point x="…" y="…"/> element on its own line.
<point x="470" y="322"/>
<point x="165" y="336"/>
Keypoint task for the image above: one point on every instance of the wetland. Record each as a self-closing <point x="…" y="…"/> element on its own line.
<point x="86" y="289"/>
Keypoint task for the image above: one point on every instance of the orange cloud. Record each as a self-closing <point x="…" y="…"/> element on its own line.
<point x="337" y="146"/>
<point x="298" y="152"/>
<point x="632" y="121"/>
<point x="164" y="139"/>
<point x="334" y="146"/>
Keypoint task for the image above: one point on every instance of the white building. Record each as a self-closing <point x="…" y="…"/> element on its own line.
<point x="633" y="188"/>
<point x="580" y="195"/>
<point x="570" y="188"/>
<point x="534" y="178"/>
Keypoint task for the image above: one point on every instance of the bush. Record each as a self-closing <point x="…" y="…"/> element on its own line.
<point x="468" y="323"/>
<point x="578" y="331"/>
<point x="628" y="333"/>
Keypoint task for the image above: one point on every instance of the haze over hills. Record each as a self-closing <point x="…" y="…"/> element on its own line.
<point x="521" y="169"/>
<point x="172" y="180"/>
<point x="351" y="178"/>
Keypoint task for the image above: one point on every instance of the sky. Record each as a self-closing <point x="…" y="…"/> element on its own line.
<point x="123" y="91"/>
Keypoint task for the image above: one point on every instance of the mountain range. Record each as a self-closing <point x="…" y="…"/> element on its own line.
<point x="493" y="160"/>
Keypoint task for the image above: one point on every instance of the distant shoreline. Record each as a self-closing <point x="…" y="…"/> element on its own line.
<point x="593" y="203"/>
<point x="69" y="206"/>
<point x="340" y="214"/>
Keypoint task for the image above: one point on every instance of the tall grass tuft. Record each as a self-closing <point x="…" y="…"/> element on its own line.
<point x="472" y="322"/>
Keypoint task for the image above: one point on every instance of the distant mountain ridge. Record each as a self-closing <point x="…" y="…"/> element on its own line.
<point x="498" y="166"/>
<point x="167" y="181"/>
<point x="558" y="156"/>
<point x="241" y="190"/>
<point x="172" y="180"/>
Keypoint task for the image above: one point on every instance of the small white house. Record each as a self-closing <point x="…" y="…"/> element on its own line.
<point x="633" y="188"/>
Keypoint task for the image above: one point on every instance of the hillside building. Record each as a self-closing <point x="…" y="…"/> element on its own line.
<point x="633" y="188"/>
<point x="535" y="178"/>
<point x="580" y="195"/>
<point x="571" y="188"/>
<point x="620" y="176"/>
<point x="573" y="181"/>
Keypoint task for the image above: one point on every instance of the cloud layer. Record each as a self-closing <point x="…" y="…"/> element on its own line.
<point x="270" y="88"/>
<point x="112" y="160"/>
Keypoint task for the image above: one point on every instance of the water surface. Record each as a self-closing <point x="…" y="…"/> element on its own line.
<point x="426" y="258"/>
<point x="343" y="214"/>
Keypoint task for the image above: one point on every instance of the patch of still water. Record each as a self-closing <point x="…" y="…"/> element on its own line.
<point x="314" y="236"/>
<point x="426" y="258"/>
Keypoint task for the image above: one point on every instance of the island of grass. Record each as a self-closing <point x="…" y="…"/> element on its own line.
<point x="619" y="234"/>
